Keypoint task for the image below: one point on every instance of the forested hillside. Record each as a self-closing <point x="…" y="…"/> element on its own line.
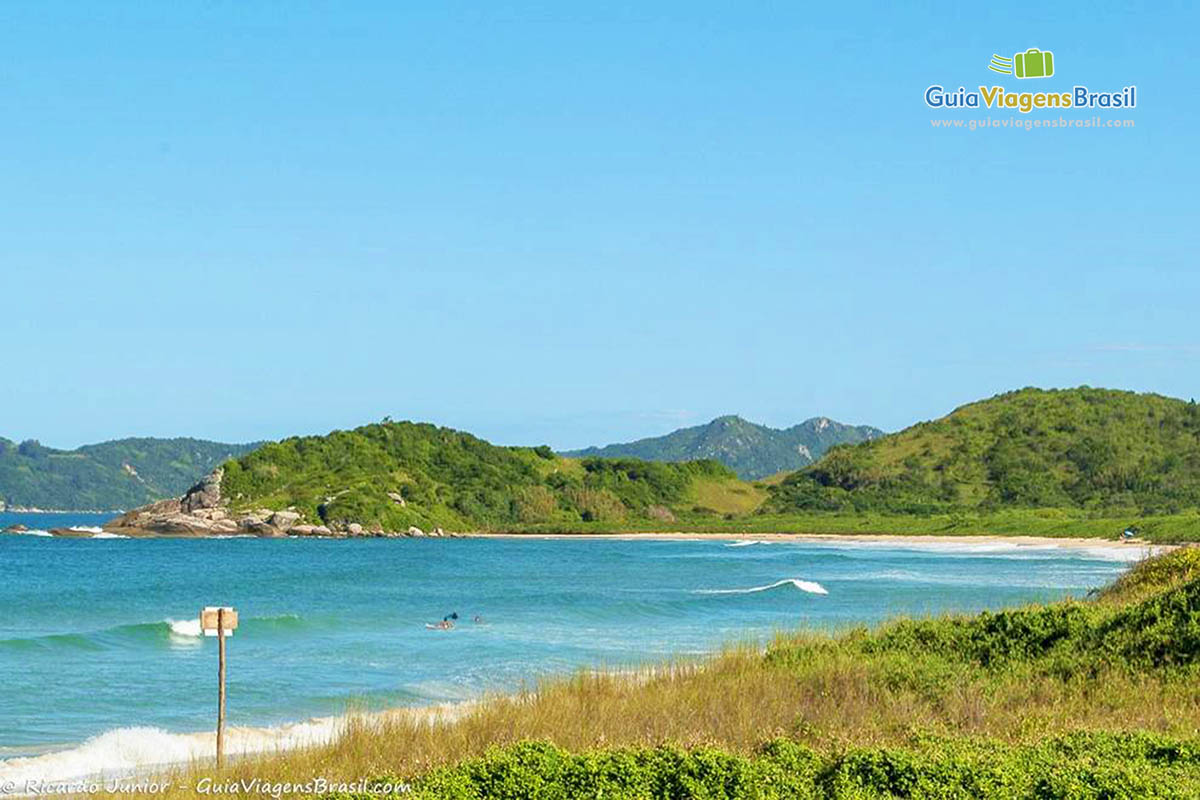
<point x="397" y="474"/>
<point x="111" y="475"/>
<point x="1079" y="448"/>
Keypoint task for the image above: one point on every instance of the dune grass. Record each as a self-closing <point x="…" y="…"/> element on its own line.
<point x="1104" y="689"/>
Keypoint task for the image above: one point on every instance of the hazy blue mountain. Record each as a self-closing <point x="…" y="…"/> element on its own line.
<point x="752" y="450"/>
<point x="119" y="474"/>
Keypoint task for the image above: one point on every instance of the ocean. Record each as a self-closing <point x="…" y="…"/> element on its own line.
<point x="100" y="644"/>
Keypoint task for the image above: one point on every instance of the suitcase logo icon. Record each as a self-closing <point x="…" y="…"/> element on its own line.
<point x="1033" y="63"/>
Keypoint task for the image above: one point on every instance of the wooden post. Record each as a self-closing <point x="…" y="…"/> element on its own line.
<point x="220" y="621"/>
<point x="220" y="686"/>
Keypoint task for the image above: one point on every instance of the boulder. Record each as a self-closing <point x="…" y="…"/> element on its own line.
<point x="205" y="494"/>
<point x="301" y="530"/>
<point x="354" y="529"/>
<point x="180" y="523"/>
<point x="284" y="520"/>
<point x="437" y="532"/>
<point x="256" y="527"/>
<point x="144" y="517"/>
<point x="18" y="528"/>
<point x="415" y="531"/>
<point x="70" y="533"/>
<point x="321" y="530"/>
<point x="397" y="498"/>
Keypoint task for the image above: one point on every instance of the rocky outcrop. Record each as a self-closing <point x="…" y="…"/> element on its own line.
<point x="202" y="511"/>
<point x="205" y="494"/>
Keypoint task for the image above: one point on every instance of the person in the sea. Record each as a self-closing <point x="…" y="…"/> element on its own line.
<point x="448" y="621"/>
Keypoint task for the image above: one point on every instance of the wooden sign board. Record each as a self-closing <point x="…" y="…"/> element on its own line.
<point x="208" y="620"/>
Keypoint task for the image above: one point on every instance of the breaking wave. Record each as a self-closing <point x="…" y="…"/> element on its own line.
<point x="145" y="633"/>
<point x="124" y="751"/>
<point x="812" y="587"/>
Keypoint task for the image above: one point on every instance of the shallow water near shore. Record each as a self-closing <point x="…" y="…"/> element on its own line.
<point x="99" y="634"/>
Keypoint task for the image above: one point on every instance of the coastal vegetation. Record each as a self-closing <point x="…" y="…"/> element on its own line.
<point x="399" y="474"/>
<point x="1088" y="450"/>
<point x="1094" y="697"/>
<point x="1078" y="462"/>
<point x="752" y="451"/>
<point x="118" y="474"/>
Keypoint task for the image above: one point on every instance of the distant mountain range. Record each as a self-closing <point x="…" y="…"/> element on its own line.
<point x="753" y="451"/>
<point x="111" y="475"/>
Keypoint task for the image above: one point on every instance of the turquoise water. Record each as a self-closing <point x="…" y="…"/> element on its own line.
<point x="98" y="634"/>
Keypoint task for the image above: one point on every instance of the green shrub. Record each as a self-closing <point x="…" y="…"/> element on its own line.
<point x="1095" y="766"/>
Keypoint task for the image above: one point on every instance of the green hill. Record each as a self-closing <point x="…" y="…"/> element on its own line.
<point x="753" y="451"/>
<point x="1092" y="449"/>
<point x="119" y="474"/>
<point x="396" y="474"/>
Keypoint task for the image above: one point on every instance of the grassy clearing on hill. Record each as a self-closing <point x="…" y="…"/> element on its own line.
<point x="1080" y="699"/>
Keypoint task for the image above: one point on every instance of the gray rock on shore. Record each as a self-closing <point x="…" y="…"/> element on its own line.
<point x="205" y="494"/>
<point x="284" y="520"/>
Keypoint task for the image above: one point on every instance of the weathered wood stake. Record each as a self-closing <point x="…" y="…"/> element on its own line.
<point x="220" y="687"/>
<point x="220" y="622"/>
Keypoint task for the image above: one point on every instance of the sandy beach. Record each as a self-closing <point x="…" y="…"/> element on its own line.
<point x="889" y="540"/>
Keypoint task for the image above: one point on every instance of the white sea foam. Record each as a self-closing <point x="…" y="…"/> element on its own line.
<point x="140" y="750"/>
<point x="745" y="542"/>
<point x="812" y="587"/>
<point x="100" y="534"/>
<point x="184" y="627"/>
<point x="87" y="529"/>
<point x="126" y="750"/>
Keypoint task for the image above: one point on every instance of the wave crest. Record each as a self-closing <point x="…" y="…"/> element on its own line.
<point x="184" y="627"/>
<point x="811" y="587"/>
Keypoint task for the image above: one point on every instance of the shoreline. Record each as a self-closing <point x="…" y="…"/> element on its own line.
<point x="147" y="750"/>
<point x="853" y="538"/>
<point x="879" y="539"/>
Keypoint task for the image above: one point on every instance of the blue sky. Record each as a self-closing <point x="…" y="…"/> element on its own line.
<point x="249" y="220"/>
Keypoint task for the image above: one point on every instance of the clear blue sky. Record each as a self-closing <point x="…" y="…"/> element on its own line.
<point x="247" y="220"/>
